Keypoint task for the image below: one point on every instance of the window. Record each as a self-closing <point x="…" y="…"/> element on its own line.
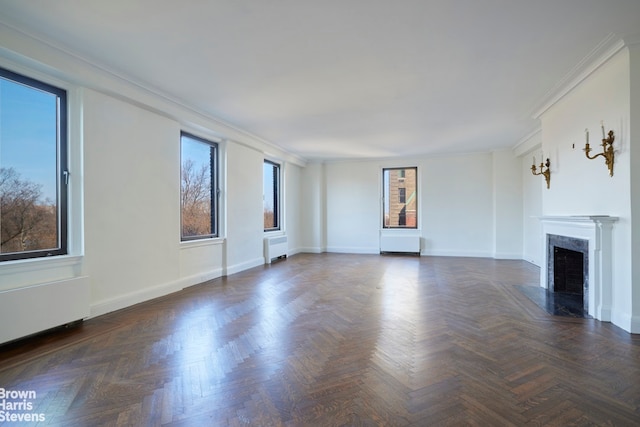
<point x="400" y="187"/>
<point x="33" y="168"/>
<point x="198" y="187"/>
<point x="271" y="195"/>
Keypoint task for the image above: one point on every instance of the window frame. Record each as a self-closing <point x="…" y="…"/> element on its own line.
<point x="277" y="195"/>
<point x="214" y="191"/>
<point x="62" y="166"/>
<point x="387" y="197"/>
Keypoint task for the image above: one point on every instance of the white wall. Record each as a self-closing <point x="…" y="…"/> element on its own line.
<point x="458" y="198"/>
<point x="507" y="205"/>
<point x="131" y="198"/>
<point x="580" y="186"/>
<point x="353" y="207"/>
<point x="244" y="208"/>
<point x="457" y="205"/>
<point x="533" y="187"/>
<point x="293" y="195"/>
<point x="634" y="73"/>
<point x="313" y="209"/>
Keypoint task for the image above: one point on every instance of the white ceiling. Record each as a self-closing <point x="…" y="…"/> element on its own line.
<point x="326" y="79"/>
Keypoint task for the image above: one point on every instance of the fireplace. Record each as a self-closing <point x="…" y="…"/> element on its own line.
<point x="578" y="259"/>
<point x="568" y="267"/>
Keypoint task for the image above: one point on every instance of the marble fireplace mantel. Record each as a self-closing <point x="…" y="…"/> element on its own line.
<point x="597" y="231"/>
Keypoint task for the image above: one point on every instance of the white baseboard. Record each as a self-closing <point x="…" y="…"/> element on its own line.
<point x="196" y="279"/>
<point x="627" y="322"/>
<point x="142" y="295"/>
<point x="295" y="251"/>
<point x="311" y="250"/>
<point x="507" y="255"/>
<point x="458" y="254"/>
<point x="634" y="325"/>
<point x="132" y="298"/>
<point x="237" y="268"/>
<point x="353" y="250"/>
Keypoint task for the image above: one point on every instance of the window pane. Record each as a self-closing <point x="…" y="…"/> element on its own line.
<point x="271" y="198"/>
<point x="32" y="155"/>
<point x="400" y="198"/>
<point x="198" y="187"/>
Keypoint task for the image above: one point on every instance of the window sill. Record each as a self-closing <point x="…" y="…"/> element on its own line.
<point x="42" y="263"/>
<point x="213" y="241"/>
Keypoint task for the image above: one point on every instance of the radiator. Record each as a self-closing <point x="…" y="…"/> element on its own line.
<point x="32" y="309"/>
<point x="392" y="243"/>
<point x="275" y="247"/>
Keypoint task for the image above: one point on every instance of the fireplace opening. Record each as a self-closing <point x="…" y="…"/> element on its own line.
<point x="568" y="271"/>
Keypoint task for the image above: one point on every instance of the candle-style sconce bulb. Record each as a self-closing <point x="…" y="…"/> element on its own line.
<point x="544" y="172"/>
<point x="607" y="148"/>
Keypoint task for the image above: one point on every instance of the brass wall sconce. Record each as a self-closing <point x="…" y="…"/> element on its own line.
<point x="544" y="172"/>
<point x="607" y="148"/>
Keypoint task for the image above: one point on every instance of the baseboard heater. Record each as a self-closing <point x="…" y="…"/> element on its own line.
<point x="275" y="248"/>
<point x="400" y="244"/>
<point x="26" y="311"/>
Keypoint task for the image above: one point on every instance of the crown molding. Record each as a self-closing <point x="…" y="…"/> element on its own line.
<point x="528" y="143"/>
<point x="606" y="49"/>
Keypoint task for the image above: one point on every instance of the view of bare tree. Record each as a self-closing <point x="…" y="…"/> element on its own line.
<point x="26" y="222"/>
<point x="196" y="199"/>
<point x="269" y="218"/>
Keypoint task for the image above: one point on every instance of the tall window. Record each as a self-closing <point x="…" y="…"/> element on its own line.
<point x="400" y="187"/>
<point x="33" y="168"/>
<point x="198" y="187"/>
<point x="271" y="195"/>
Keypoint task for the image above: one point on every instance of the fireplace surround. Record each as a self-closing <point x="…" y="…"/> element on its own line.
<point x="591" y="236"/>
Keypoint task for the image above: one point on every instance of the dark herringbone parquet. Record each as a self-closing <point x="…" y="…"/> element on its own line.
<point x="332" y="340"/>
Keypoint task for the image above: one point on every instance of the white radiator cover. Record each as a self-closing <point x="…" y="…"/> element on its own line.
<point x="397" y="243"/>
<point x="32" y="309"/>
<point x="275" y="247"/>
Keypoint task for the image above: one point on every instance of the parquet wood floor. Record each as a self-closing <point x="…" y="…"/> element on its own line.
<point x="333" y="340"/>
